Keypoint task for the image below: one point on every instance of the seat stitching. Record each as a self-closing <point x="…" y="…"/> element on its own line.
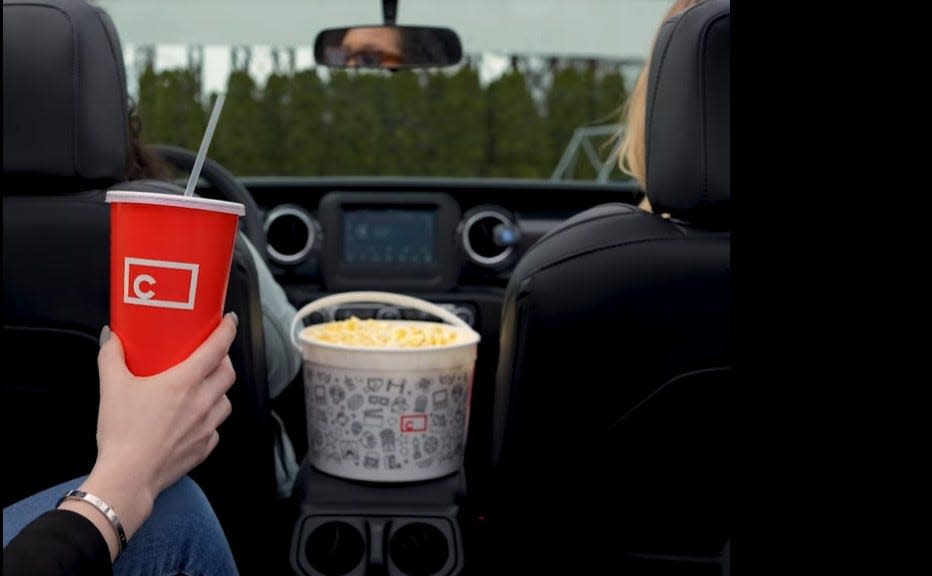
<point x="665" y="385"/>
<point x="593" y="249"/>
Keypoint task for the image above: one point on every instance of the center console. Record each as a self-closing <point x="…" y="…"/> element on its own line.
<point x="348" y="527"/>
<point x="421" y="245"/>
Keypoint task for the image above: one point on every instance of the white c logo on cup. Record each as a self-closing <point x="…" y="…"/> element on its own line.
<point x="137" y="289"/>
<point x="177" y="283"/>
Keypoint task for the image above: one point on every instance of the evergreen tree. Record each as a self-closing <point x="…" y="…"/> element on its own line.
<point x="353" y="143"/>
<point x="569" y="106"/>
<point x="457" y="130"/>
<point x="517" y="144"/>
<point x="305" y="131"/>
<point x="273" y="111"/>
<point x="146" y="103"/>
<point x="170" y="108"/>
<point x="371" y="123"/>
<point x="235" y="144"/>
<point x="611" y="96"/>
<point x="403" y="137"/>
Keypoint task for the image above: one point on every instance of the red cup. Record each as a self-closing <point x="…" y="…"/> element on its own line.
<point x="169" y="268"/>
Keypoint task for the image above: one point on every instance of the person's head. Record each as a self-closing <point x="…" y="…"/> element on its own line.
<point x="632" y="155"/>
<point x="142" y="162"/>
<point x="379" y="46"/>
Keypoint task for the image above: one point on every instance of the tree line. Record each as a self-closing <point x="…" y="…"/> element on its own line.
<point x="404" y="123"/>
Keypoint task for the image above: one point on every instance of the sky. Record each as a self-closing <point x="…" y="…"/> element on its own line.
<point x="616" y="29"/>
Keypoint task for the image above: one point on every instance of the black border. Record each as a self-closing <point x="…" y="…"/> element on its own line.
<point x="441" y="275"/>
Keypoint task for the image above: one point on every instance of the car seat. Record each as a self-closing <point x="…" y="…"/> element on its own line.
<point x="65" y="142"/>
<point x="616" y="373"/>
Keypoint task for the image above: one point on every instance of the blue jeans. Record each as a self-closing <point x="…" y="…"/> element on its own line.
<point x="181" y="536"/>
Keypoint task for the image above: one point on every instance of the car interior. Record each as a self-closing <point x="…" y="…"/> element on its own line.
<point x="600" y="406"/>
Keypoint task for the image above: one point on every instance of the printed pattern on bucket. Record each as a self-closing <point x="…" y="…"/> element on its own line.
<point x="368" y="425"/>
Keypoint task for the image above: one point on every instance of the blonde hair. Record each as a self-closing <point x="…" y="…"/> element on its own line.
<point x="632" y="154"/>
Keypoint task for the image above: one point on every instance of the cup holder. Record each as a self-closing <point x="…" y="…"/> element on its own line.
<point x="419" y="549"/>
<point x="355" y="545"/>
<point x="334" y="548"/>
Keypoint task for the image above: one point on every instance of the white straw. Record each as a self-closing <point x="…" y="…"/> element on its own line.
<point x="205" y="144"/>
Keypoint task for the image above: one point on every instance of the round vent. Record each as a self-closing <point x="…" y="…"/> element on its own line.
<point x="289" y="231"/>
<point x="479" y="238"/>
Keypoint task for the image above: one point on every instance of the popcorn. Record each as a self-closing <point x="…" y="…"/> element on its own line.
<point x="383" y="334"/>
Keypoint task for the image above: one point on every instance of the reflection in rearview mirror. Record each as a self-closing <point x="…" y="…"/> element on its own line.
<point x="390" y="47"/>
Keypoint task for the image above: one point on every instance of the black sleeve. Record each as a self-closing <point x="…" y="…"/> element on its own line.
<point x="59" y="542"/>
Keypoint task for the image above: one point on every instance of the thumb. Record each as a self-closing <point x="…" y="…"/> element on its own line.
<point x="111" y="364"/>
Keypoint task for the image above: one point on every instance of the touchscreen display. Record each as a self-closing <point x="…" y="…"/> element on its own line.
<point x="389" y="236"/>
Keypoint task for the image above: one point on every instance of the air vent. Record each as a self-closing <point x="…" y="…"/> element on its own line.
<point x="290" y="233"/>
<point x="479" y="238"/>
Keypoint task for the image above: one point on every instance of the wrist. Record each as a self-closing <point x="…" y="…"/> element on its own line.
<point x="130" y="497"/>
<point x="102" y="517"/>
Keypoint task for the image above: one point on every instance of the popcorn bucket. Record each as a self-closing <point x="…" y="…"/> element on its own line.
<point x="392" y="411"/>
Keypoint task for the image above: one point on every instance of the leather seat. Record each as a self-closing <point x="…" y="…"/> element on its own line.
<point x="65" y="142"/>
<point x="616" y="373"/>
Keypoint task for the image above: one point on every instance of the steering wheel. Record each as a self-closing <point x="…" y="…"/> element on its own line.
<point x="226" y="187"/>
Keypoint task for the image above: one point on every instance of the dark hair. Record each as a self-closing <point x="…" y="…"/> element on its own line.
<point x="142" y="162"/>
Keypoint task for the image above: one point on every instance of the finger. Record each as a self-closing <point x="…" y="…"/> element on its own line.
<point x="210" y="353"/>
<point x="111" y="363"/>
<point x="212" y="442"/>
<point x="218" y="382"/>
<point x="219" y="412"/>
<point x="199" y="452"/>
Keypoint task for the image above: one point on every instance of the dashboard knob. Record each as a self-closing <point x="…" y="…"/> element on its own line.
<point x="506" y="235"/>
<point x="465" y="314"/>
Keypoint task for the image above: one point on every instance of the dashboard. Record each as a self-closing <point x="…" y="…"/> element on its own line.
<point x="424" y="236"/>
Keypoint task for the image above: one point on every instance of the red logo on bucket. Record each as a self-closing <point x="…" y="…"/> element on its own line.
<point x="414" y="423"/>
<point x="159" y="283"/>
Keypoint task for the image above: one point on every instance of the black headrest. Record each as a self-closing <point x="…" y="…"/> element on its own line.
<point x="689" y="115"/>
<point x="64" y="91"/>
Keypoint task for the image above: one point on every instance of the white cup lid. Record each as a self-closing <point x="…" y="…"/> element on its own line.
<point x="162" y="199"/>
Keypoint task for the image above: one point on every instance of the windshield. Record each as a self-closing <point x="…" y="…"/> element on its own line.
<point x="537" y="95"/>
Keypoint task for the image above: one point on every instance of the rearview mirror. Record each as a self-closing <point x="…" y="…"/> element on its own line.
<point x="392" y="47"/>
